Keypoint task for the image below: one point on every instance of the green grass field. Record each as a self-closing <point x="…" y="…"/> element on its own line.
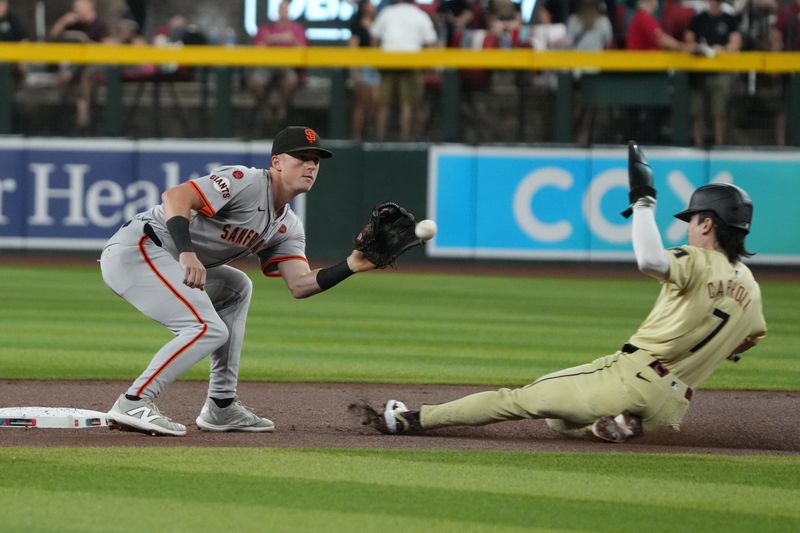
<point x="379" y="327"/>
<point x="390" y="490"/>
<point x="63" y="323"/>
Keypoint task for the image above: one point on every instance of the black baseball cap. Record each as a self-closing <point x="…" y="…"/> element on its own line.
<point x="297" y="139"/>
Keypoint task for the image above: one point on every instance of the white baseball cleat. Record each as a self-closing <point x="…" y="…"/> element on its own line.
<point x="397" y="418"/>
<point x="142" y="416"/>
<point x="393" y="407"/>
<point x="235" y="417"/>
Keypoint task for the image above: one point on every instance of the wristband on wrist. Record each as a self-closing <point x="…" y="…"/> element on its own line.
<point x="178" y="228"/>
<point x="328" y="277"/>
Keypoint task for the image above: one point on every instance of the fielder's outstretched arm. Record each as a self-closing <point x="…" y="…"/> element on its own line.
<point x="304" y="282"/>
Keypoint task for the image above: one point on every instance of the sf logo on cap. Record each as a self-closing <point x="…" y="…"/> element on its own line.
<point x="311" y="135"/>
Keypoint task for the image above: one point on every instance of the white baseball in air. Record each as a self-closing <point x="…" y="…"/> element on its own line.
<point x="425" y="229"/>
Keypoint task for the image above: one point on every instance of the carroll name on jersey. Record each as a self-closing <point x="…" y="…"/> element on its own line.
<point x="732" y="289"/>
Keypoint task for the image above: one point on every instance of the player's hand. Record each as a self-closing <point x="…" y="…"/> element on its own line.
<point x="640" y="177"/>
<point x="194" y="273"/>
<point x="743" y="347"/>
<point x="358" y="263"/>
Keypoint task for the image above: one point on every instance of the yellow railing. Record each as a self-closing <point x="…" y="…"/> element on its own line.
<point x="321" y="57"/>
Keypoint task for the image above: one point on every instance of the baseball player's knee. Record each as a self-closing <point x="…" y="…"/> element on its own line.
<point x="239" y="294"/>
<point x="217" y="333"/>
<point x="232" y="278"/>
<point x="242" y="283"/>
<point x="231" y="290"/>
<point x="240" y="287"/>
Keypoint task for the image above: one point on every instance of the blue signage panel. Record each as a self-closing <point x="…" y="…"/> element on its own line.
<point x="771" y="180"/>
<point x="77" y="190"/>
<point x="454" y="199"/>
<point x="74" y="194"/>
<point x="530" y="201"/>
<point x="13" y="192"/>
<point x="566" y="203"/>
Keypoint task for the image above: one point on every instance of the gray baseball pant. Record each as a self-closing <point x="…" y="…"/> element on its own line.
<point x="204" y="322"/>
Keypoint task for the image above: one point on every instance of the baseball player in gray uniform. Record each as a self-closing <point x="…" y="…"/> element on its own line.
<point x="171" y="263"/>
<point x="709" y="310"/>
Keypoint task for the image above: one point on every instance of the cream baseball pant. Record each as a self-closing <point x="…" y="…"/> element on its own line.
<point x="204" y="322"/>
<point x="572" y="399"/>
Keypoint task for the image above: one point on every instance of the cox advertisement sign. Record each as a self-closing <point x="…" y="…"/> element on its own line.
<point x="566" y="203"/>
<point x="74" y="194"/>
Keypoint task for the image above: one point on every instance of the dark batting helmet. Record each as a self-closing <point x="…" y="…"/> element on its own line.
<point x="730" y="203"/>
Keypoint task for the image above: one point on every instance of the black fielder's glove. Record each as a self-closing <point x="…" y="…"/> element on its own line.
<point x="389" y="233"/>
<point x="640" y="177"/>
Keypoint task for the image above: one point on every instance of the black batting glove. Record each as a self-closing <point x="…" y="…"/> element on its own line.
<point x="640" y="177"/>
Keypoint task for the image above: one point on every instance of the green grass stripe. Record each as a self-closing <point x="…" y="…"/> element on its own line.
<point x="377" y="327"/>
<point x="345" y="490"/>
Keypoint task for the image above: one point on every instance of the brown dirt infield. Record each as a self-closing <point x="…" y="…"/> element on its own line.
<point x="315" y="415"/>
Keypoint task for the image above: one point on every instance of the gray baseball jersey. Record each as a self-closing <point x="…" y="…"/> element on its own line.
<point x="237" y="219"/>
<point x="139" y="263"/>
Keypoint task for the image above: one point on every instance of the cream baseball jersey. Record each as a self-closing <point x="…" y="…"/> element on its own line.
<point x="237" y="219"/>
<point x="707" y="307"/>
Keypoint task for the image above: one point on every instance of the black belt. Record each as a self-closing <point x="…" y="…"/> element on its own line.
<point x="657" y="366"/>
<point x="149" y="231"/>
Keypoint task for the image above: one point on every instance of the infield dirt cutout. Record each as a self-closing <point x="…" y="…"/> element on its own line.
<point x="315" y="415"/>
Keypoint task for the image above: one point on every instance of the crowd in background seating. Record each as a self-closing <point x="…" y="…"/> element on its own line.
<point x="692" y="26"/>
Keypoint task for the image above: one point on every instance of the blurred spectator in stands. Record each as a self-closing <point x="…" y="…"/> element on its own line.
<point x="402" y="27"/>
<point x="10" y="28"/>
<point x="617" y="13"/>
<point x="505" y="22"/>
<point x="12" y="31"/>
<point x="366" y="80"/>
<point x="757" y="18"/>
<point x="786" y="38"/>
<point x="179" y="30"/>
<point x="644" y="33"/>
<point x="675" y="17"/>
<point x="552" y="12"/>
<point x="711" y="32"/>
<point x="80" y="25"/>
<point x="126" y="31"/>
<point x="546" y="31"/>
<point x="137" y="11"/>
<point x="459" y="15"/>
<point x="588" y="29"/>
<point x="274" y="88"/>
